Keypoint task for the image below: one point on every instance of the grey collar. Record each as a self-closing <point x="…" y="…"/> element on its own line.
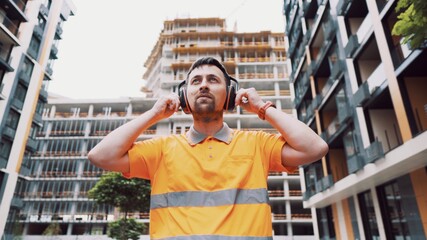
<point x="223" y="135"/>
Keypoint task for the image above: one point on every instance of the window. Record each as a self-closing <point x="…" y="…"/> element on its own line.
<point x="368" y="216"/>
<point x="21" y="92"/>
<point x="35" y="45"/>
<point x="5" y="147"/>
<point x="13" y="119"/>
<point x="325" y="221"/>
<point x="42" y="21"/>
<point x="27" y="67"/>
<point x="399" y="210"/>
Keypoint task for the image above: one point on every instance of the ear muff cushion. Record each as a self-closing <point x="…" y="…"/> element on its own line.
<point x="231" y="97"/>
<point x="183" y="98"/>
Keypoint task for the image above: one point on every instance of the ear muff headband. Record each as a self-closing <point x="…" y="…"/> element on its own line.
<point x="229" y="101"/>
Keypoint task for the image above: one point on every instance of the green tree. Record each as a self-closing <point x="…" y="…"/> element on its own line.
<point x="125" y="229"/>
<point x="129" y="195"/>
<point x="412" y="22"/>
<point x="53" y="229"/>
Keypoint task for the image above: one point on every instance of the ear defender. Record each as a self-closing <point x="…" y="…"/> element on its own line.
<point x="231" y="95"/>
<point x="182" y="93"/>
<point x="229" y="101"/>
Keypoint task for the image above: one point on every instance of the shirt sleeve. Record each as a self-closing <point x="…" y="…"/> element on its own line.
<point x="272" y="148"/>
<point x="144" y="158"/>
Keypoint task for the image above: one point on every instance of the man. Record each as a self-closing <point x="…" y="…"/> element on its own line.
<point x="210" y="182"/>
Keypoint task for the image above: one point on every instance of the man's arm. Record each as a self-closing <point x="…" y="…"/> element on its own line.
<point x="302" y="146"/>
<point x="112" y="152"/>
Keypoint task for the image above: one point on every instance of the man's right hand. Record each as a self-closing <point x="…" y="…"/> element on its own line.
<point x="166" y="106"/>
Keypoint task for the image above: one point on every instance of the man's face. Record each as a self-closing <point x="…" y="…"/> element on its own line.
<point x="206" y="89"/>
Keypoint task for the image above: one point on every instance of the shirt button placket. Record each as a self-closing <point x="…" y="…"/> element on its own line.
<point x="210" y="148"/>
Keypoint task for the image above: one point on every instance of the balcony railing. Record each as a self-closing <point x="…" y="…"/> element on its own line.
<point x="58" y="31"/>
<point x="329" y="30"/>
<point x="9" y="132"/>
<point x="373" y="152"/>
<point x="376" y="78"/>
<point x="327" y="182"/>
<point x="44" y="10"/>
<point x="8" y="24"/>
<point x="354" y="163"/>
<point x="20" y="4"/>
<point x="343" y="7"/>
<point x="337" y="69"/>
<point x="54" y="52"/>
<point x="352" y="46"/>
<point x="17" y="202"/>
<point x="362" y="94"/>
<point x="344" y="113"/>
<point x="276" y="193"/>
<point x="307" y="194"/>
<point x="32" y="144"/>
<point x="38" y="32"/>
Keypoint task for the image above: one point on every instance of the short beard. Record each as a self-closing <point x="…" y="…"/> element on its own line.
<point x="206" y="114"/>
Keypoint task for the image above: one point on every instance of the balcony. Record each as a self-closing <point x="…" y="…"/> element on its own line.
<point x="38" y="118"/>
<point x="331" y="131"/>
<point x="54" y="52"/>
<point x="343" y="7"/>
<point x="25" y="170"/>
<point x="301" y="89"/>
<point x="33" y="52"/>
<point x="307" y="194"/>
<point x="17" y="202"/>
<point x="337" y="69"/>
<point x="24" y="77"/>
<point x="361" y="95"/>
<point x="44" y="10"/>
<point x="327" y="182"/>
<point x="4" y="64"/>
<point x="373" y="152"/>
<point x="329" y="30"/>
<point x="9" y="132"/>
<point x="344" y="113"/>
<point x="3" y="161"/>
<point x="310" y="7"/>
<point x="8" y="24"/>
<point x="355" y="163"/>
<point x="17" y="104"/>
<point x="32" y="144"/>
<point x="352" y="46"/>
<point x="276" y="193"/>
<point x="376" y="79"/>
<point x="43" y="94"/>
<point x="49" y="70"/>
<point x="58" y="32"/>
<point x="38" y="32"/>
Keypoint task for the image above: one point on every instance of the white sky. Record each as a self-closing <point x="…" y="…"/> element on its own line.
<point x="106" y="43"/>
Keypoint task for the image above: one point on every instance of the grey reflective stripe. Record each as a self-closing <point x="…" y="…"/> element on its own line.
<point x="214" y="237"/>
<point x="209" y="199"/>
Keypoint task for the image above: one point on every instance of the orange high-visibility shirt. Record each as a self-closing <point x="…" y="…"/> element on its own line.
<point x="209" y="187"/>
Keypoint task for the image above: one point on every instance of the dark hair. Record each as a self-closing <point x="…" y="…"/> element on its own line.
<point x="209" y="61"/>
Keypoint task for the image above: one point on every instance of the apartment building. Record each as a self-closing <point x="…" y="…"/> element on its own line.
<point x="60" y="173"/>
<point x="29" y="35"/>
<point x="363" y="91"/>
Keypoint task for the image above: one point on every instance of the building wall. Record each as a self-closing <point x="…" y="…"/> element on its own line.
<point x="23" y="90"/>
<point x="371" y="113"/>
